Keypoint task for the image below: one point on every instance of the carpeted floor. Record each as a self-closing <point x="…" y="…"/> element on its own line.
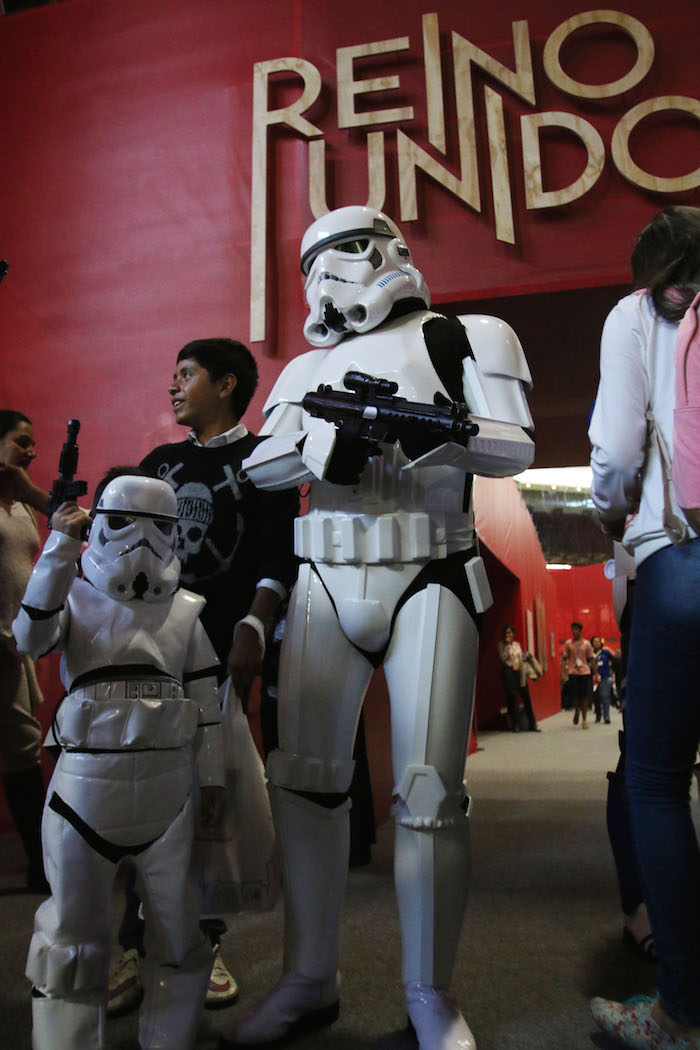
<point x="543" y="927"/>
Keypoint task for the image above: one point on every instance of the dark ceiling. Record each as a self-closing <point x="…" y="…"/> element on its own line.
<point x="8" y="7"/>
<point x="560" y="333"/>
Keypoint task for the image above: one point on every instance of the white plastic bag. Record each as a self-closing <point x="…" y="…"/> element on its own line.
<point x="239" y="870"/>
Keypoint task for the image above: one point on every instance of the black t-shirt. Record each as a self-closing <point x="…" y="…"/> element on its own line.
<point x="230" y="534"/>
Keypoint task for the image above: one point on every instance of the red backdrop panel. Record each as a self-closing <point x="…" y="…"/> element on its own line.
<point x="584" y="594"/>
<point x="519" y="576"/>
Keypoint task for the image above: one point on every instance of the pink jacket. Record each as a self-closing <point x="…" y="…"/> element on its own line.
<point x="685" y="470"/>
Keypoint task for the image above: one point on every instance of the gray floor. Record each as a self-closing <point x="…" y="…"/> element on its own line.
<point x="542" y="932"/>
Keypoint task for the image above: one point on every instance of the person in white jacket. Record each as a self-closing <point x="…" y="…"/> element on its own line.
<point x="140" y="715"/>
<point x="631" y="435"/>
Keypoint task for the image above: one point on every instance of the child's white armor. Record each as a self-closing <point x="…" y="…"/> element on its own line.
<point x="391" y="575"/>
<point x="141" y="712"/>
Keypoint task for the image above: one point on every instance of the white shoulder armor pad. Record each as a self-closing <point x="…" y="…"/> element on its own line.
<point x="497" y="377"/>
<point x="497" y="349"/>
<point x="276" y="463"/>
<point x="296" y="379"/>
<point x="188" y="604"/>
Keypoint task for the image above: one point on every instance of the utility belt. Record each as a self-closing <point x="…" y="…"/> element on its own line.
<point x="373" y="539"/>
<point x="127" y="714"/>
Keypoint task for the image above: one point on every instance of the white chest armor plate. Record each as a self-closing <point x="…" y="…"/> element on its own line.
<point x="392" y="515"/>
<point x="105" y="633"/>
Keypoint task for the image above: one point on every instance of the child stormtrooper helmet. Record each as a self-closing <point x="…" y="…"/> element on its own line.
<point x="357" y="266"/>
<point x="131" y="552"/>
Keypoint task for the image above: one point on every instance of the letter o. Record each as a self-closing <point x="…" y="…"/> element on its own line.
<point x="619" y="146"/>
<point x="639" y="33"/>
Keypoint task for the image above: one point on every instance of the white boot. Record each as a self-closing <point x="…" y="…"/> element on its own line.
<point x="295" y="1005"/>
<point x="174" y="1000"/>
<point x="75" y="1021"/>
<point x="436" y="1019"/>
<point x="314" y="845"/>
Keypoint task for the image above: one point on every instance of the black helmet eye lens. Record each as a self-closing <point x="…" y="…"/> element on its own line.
<point x="117" y="522"/>
<point x="353" y="247"/>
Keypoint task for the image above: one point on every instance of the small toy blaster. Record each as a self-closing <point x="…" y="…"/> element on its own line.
<point x="372" y="412"/>
<point x="66" y="487"/>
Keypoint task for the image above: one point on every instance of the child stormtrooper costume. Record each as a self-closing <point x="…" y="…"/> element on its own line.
<point x="391" y="575"/>
<point x="141" y="711"/>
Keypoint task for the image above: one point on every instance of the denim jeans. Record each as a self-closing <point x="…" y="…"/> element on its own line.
<point x="663" y="733"/>
<point x="629" y="879"/>
<point x="601" y="699"/>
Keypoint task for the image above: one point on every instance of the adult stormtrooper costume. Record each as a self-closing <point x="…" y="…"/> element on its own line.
<point x="391" y="575"/>
<point x="130" y="736"/>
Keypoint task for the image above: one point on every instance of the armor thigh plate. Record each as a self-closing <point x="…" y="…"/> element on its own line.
<point x="127" y="797"/>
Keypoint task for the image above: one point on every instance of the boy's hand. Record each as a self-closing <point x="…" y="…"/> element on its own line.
<point x="211" y="806"/>
<point x="70" y="519"/>
<point x="245" y="659"/>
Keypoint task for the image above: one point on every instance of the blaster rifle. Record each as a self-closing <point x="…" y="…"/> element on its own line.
<point x="371" y="412"/>
<point x="66" y="487"/>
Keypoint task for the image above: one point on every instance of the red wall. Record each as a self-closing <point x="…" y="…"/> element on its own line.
<point x="518" y="576"/>
<point x="584" y="594"/>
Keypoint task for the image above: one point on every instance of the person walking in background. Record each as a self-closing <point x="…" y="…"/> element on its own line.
<point x="514" y="678"/>
<point x="20" y="695"/>
<point x="631" y="433"/>
<point x="578" y="662"/>
<point x="602" y="694"/>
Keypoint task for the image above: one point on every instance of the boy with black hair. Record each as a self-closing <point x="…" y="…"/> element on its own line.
<point x="221" y="356"/>
<point x="235" y="545"/>
<point x="235" y="541"/>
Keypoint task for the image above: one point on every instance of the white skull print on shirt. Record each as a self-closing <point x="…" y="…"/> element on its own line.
<point x="195" y="508"/>
<point x="207" y="541"/>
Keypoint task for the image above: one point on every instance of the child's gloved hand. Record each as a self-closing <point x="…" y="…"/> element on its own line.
<point x="71" y="520"/>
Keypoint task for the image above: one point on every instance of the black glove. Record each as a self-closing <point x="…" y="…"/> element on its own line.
<point x="349" y="459"/>
<point x="415" y="442"/>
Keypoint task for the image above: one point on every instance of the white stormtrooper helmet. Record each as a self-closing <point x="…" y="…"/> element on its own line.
<point x="357" y="266"/>
<point x="131" y="552"/>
